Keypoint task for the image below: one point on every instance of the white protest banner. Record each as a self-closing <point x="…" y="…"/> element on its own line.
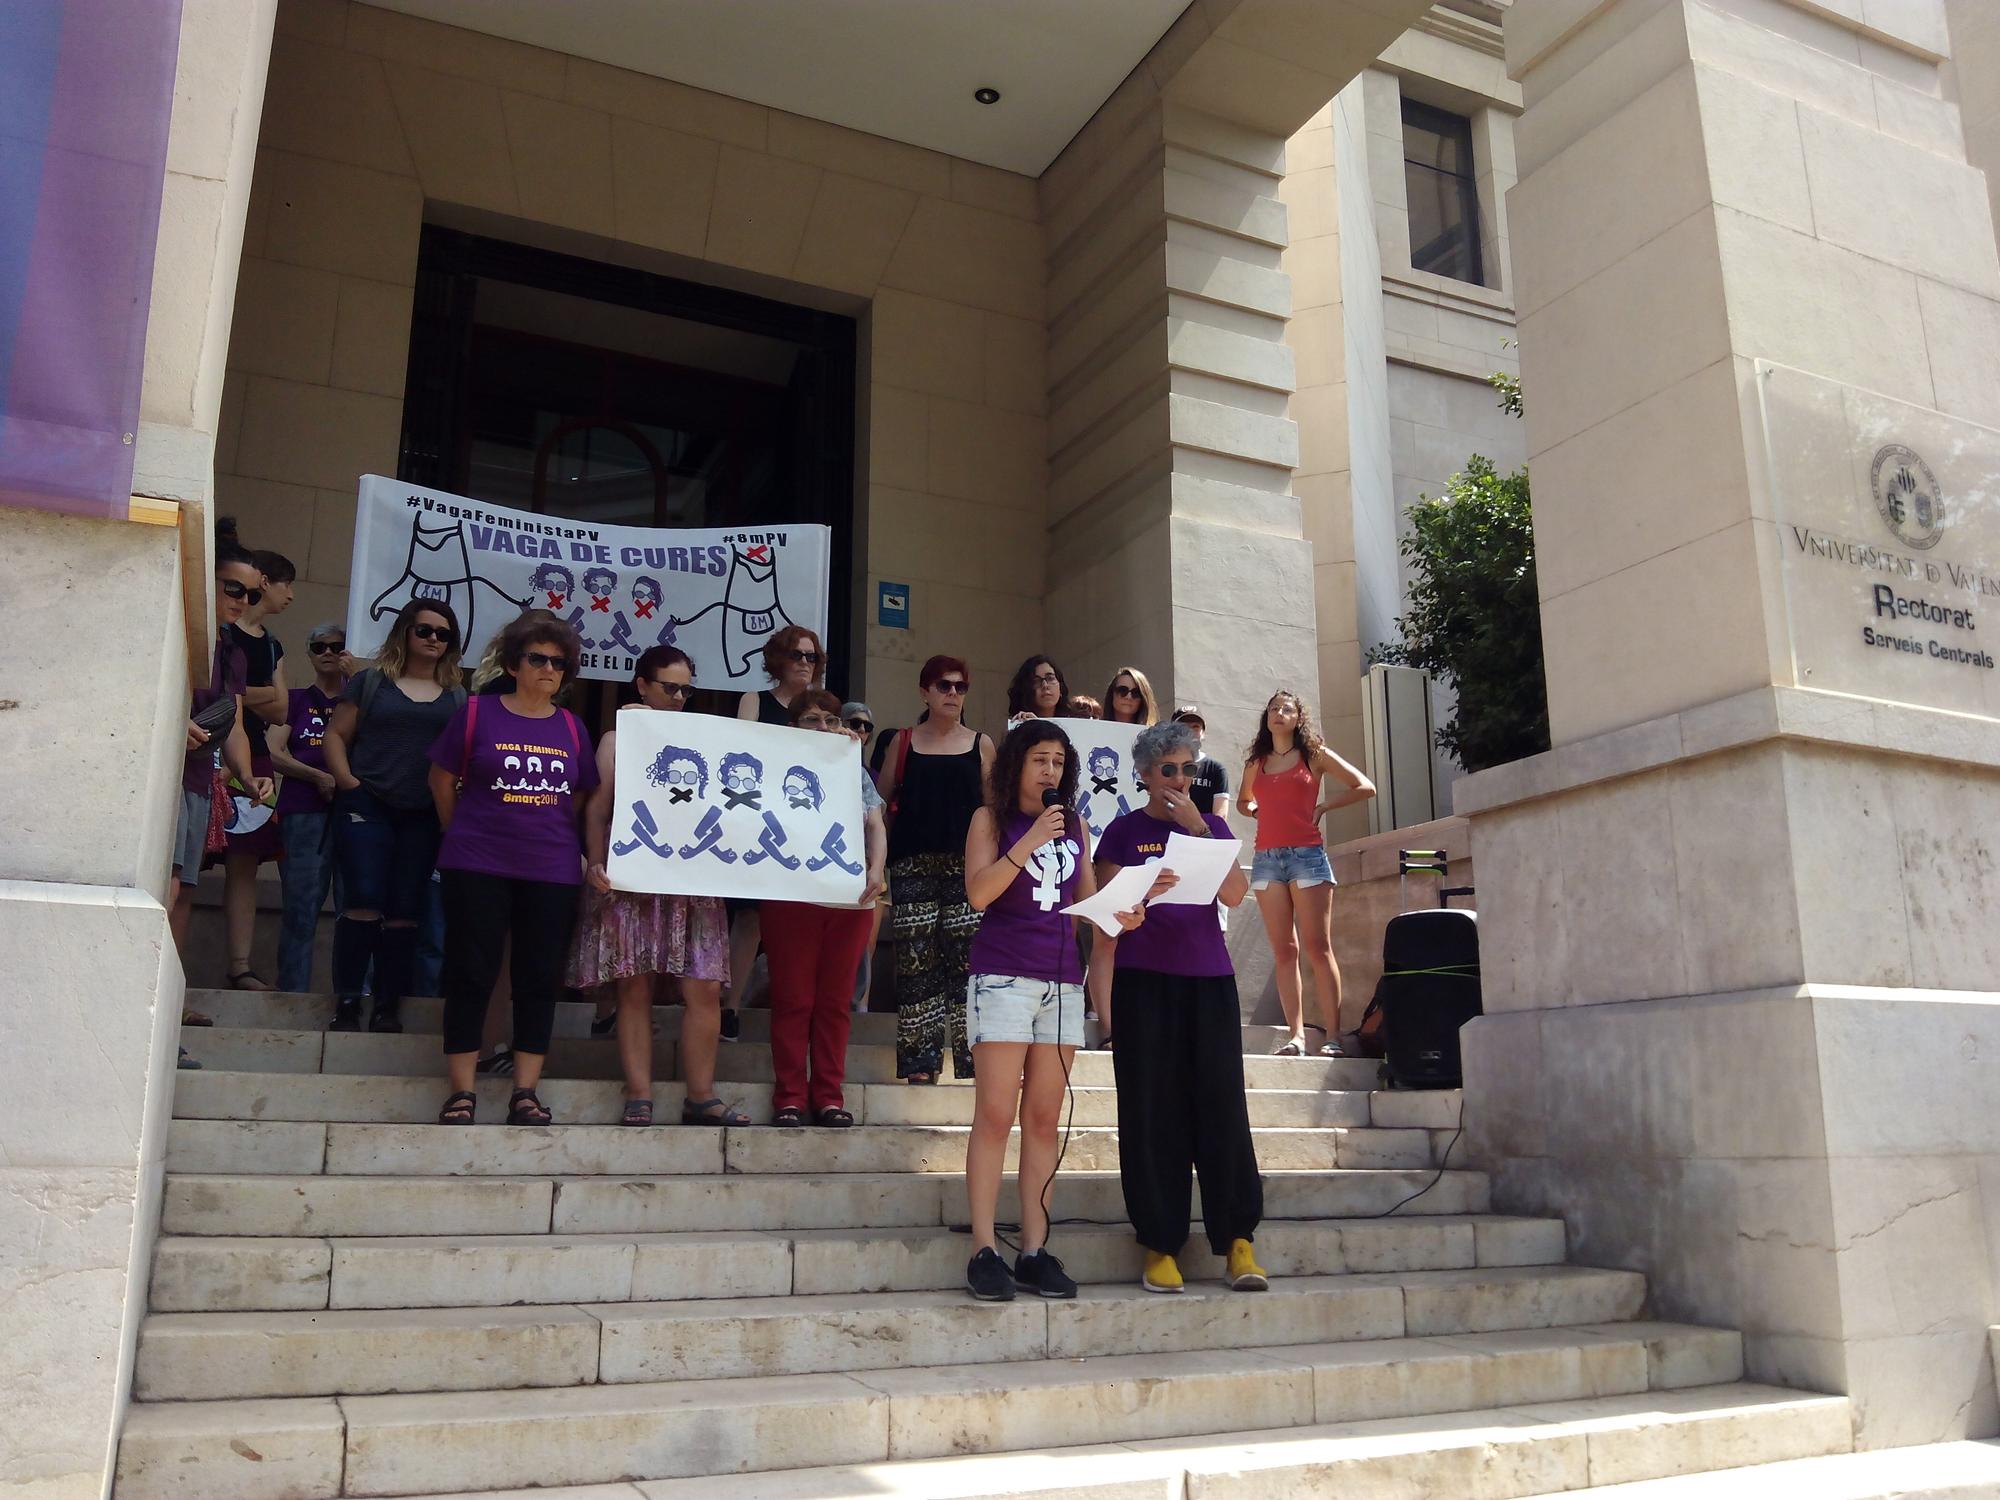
<point x="1107" y="785"/>
<point x="708" y="806"/>
<point x="716" y="593"/>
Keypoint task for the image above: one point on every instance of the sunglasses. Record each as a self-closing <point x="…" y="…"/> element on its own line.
<point x="951" y="687"/>
<point x="804" y="658"/>
<point x="543" y="660"/>
<point x="237" y="590"/>
<point x="1124" y="690"/>
<point x="326" y="648"/>
<point x="1169" y="769"/>
<point x="674" y="689"/>
<point x="860" y="726"/>
<point x="432" y="633"/>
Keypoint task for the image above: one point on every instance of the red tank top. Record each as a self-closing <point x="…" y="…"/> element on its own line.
<point x="1285" y="801"/>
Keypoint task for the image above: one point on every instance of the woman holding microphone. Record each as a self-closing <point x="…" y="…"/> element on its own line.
<point x="1027" y="856"/>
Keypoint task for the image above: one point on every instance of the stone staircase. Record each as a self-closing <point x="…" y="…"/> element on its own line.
<point x="348" y="1300"/>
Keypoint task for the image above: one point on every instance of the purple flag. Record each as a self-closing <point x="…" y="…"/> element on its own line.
<point x="86" y="94"/>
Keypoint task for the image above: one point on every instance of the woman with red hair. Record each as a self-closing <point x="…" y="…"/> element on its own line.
<point x="934" y="779"/>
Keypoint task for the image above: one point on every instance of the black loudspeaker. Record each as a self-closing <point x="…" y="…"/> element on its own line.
<point x="1429" y="988"/>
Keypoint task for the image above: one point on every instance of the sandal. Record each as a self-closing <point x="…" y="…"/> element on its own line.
<point x="1295" y="1047"/>
<point x="525" y="1109"/>
<point x="246" y="979"/>
<point x="712" y="1112"/>
<point x="791" y="1115"/>
<point x="834" y="1119"/>
<point x="459" y="1108"/>
<point x="1331" y="1049"/>
<point x="920" y="1078"/>
<point x="195" y="1018"/>
<point x="637" y="1112"/>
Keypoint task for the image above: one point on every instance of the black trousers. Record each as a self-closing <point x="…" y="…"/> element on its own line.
<point x="480" y="913"/>
<point x="1181" y="1109"/>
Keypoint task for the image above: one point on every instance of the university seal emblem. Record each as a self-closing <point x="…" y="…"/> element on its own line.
<point x="1907" y="496"/>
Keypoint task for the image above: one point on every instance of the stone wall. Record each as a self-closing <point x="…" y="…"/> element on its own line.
<point x="376" y="121"/>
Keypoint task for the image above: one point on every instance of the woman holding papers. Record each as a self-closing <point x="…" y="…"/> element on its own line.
<point x="1027" y="856"/>
<point x="1179" y="1060"/>
<point x="1291" y="875"/>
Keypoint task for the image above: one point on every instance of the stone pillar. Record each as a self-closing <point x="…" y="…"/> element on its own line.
<point x="1176" y="541"/>
<point x="91" y="737"/>
<point x="1737" y="924"/>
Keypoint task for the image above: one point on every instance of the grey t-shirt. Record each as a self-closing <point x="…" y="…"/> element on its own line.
<point x="391" y="751"/>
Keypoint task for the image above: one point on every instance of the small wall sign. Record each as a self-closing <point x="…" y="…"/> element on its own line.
<point x="892" y="605"/>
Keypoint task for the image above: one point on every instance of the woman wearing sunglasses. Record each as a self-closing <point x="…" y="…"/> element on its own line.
<point x="626" y="938"/>
<point x="815" y="952"/>
<point x="1129" y="699"/>
<point x="1179" y="1059"/>
<point x="934" y="780"/>
<point x="795" y="663"/>
<point x="385" y="825"/>
<point x="508" y="775"/>
<point x="298" y="749"/>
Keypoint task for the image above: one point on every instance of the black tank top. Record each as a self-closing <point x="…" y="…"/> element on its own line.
<point x="771" y="711"/>
<point x="935" y="801"/>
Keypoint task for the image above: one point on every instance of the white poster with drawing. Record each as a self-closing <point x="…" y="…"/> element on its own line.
<point x="1107" y="786"/>
<point x="716" y="593"/>
<point x="707" y="806"/>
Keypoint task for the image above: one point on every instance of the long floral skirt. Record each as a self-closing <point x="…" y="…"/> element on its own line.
<point x="932" y="925"/>
<point x="628" y="935"/>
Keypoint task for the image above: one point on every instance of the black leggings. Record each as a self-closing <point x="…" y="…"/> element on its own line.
<point x="480" y="913"/>
<point x="1181" y="1109"/>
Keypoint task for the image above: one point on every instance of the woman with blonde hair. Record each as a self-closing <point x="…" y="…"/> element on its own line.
<point x="386" y="829"/>
<point x="1291" y="874"/>
<point x="1129" y="699"/>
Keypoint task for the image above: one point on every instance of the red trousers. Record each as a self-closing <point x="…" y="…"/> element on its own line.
<point x="814" y="953"/>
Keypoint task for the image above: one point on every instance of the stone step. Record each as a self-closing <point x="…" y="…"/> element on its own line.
<point x="424" y="1014"/>
<point x="211" y="1094"/>
<point x="1929" y="1471"/>
<point x="252" y="1355"/>
<point x="196" y="1274"/>
<point x="315" y="1206"/>
<point x="292" y="1147"/>
<point x="1491" y="1454"/>
<point x="378" y="1445"/>
<point x="411" y="1054"/>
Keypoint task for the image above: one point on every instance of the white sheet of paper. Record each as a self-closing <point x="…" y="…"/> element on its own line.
<point x="1121" y="892"/>
<point x="1202" y="864"/>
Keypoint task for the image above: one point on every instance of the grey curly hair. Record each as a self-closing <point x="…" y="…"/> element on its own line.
<point x="1153" y="745"/>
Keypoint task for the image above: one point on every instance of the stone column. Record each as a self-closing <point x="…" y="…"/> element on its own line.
<point x="91" y="745"/>
<point x="1176" y="541"/>
<point x="1738" y="924"/>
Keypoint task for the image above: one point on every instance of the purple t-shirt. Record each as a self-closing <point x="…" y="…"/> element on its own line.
<point x="1023" y="932"/>
<point x="517" y="808"/>
<point x="225" y="679"/>
<point x="1173" y="939"/>
<point x="310" y="711"/>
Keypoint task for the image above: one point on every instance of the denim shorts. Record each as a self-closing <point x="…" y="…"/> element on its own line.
<point x="1006" y="1008"/>
<point x="1304" y="865"/>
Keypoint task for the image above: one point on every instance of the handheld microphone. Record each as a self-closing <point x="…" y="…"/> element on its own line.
<point x="1051" y="797"/>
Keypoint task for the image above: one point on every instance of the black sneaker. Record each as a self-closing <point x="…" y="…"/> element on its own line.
<point x="987" y="1279"/>
<point x="1042" y="1274"/>
<point x="732" y="1026"/>
<point x="346" y="1014"/>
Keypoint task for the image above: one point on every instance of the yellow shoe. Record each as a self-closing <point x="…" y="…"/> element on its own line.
<point x="1245" y="1275"/>
<point x="1162" y="1275"/>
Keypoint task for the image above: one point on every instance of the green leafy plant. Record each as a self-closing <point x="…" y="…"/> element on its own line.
<point x="1474" y="613"/>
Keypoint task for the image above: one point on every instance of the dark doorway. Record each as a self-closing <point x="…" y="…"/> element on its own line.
<point x="568" y="386"/>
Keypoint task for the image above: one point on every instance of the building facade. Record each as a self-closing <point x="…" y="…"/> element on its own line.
<point x="1142" y="373"/>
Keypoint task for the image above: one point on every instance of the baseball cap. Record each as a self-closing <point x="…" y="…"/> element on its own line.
<point x="1189" y="711"/>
